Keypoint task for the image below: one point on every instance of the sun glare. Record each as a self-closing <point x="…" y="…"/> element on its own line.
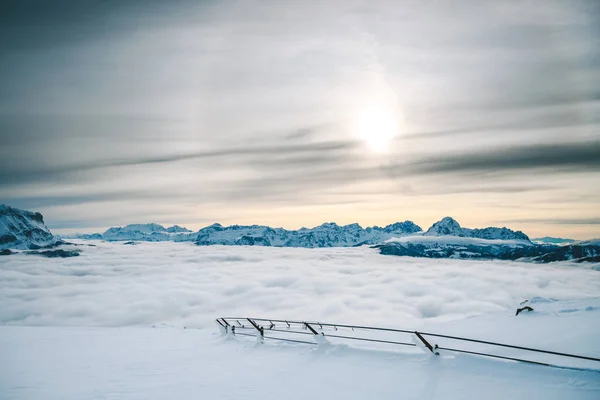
<point x="377" y="125"/>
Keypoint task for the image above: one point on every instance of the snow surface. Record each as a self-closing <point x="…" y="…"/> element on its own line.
<point x="94" y="315"/>
<point x="169" y="363"/>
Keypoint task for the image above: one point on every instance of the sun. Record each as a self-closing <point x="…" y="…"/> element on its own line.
<point x="376" y="125"/>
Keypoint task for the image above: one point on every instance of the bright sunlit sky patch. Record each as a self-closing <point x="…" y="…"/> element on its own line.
<point x="292" y="113"/>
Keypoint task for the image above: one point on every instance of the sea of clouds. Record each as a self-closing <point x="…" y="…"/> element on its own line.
<point x="181" y="284"/>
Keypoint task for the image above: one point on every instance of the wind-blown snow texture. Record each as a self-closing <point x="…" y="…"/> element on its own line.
<point x="20" y="229"/>
<point x="49" y="363"/>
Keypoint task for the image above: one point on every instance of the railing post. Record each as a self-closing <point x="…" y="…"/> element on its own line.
<point x="432" y="349"/>
<point x="319" y="339"/>
<point x="260" y="329"/>
<point x="222" y="327"/>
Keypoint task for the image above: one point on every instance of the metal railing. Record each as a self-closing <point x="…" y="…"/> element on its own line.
<point x="263" y="326"/>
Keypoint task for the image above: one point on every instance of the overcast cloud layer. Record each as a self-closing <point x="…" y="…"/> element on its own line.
<point x="241" y="112"/>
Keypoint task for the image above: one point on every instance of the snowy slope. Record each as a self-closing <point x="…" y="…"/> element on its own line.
<point x="20" y="229"/>
<point x="75" y="363"/>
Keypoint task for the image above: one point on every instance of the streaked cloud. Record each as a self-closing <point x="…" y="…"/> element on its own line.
<point x="214" y="111"/>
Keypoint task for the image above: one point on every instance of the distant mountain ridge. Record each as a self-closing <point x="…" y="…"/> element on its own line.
<point x="553" y="240"/>
<point x="328" y="234"/>
<point x="146" y="232"/>
<point x="20" y="229"/>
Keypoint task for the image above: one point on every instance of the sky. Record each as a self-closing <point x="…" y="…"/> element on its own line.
<point x="299" y="112"/>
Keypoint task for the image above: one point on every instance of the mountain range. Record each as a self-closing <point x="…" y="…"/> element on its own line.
<point x="328" y="234"/>
<point x="20" y="229"/>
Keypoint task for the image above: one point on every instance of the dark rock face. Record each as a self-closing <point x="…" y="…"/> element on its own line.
<point x="253" y="241"/>
<point x="60" y="253"/>
<point x="7" y="238"/>
<point x="6" y="252"/>
<point x="90" y="236"/>
<point x="23" y="229"/>
<point x="579" y="252"/>
<point x="48" y="246"/>
<point x="481" y="251"/>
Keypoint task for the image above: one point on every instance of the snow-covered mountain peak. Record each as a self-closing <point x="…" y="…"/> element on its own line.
<point x="450" y="227"/>
<point x="148" y="232"/>
<point x="178" y="229"/>
<point x="142" y="228"/>
<point x="328" y="225"/>
<point x="21" y="229"/>
<point x="406" y="227"/>
<point x="447" y="226"/>
<point x="353" y="226"/>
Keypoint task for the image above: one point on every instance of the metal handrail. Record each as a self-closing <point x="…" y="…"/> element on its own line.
<point x="420" y="335"/>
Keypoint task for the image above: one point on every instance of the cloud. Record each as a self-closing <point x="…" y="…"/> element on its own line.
<point x="194" y="104"/>
<point x="581" y="157"/>
<point x="557" y="221"/>
<point x="67" y="23"/>
<point x="187" y="285"/>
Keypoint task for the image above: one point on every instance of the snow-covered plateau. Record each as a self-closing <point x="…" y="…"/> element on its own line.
<point x="137" y="322"/>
